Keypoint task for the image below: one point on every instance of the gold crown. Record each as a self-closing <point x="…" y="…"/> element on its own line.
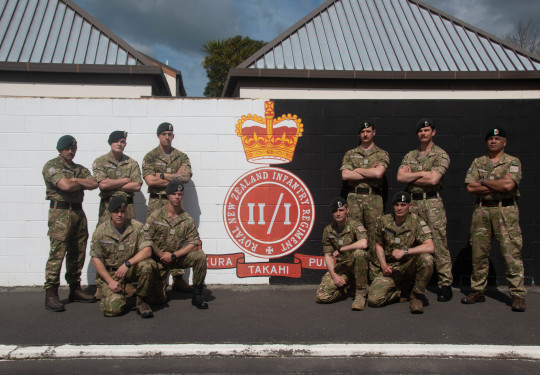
<point x="269" y="140"/>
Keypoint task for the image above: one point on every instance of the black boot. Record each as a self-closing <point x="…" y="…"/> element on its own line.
<point x="197" y="299"/>
<point x="76" y="294"/>
<point x="52" y="302"/>
<point x="445" y="294"/>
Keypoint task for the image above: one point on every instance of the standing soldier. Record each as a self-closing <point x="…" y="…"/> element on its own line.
<point x="494" y="179"/>
<point x="423" y="169"/>
<point x="121" y="255"/>
<point x="160" y="166"/>
<point x="117" y="175"/>
<point x="65" y="183"/>
<point x="363" y="168"/>
<point x="345" y="240"/>
<point x="404" y="247"/>
<point x="175" y="241"/>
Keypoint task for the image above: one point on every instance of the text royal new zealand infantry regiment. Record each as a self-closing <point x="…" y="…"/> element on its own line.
<point x="376" y="258"/>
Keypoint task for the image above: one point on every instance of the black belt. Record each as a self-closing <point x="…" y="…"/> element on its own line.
<point x="495" y="202"/>
<point x="428" y="195"/>
<point x="129" y="200"/>
<point x="376" y="191"/>
<point x="162" y="196"/>
<point x="66" y="205"/>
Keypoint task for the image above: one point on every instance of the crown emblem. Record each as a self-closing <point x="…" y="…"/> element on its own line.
<point x="269" y="140"/>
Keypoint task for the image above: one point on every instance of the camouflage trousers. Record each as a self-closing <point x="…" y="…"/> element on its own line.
<point x="195" y="259"/>
<point x="355" y="273"/>
<point x="68" y="233"/>
<point x="105" y="215"/>
<point x="433" y="213"/>
<point x="503" y="224"/>
<point x="367" y="209"/>
<point x="144" y="273"/>
<point x="386" y="289"/>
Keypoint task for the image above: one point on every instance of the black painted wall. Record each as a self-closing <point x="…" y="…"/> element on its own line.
<point x="330" y="129"/>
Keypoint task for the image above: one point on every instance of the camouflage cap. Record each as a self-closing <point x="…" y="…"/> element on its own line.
<point x="336" y="203"/>
<point x="163" y="127"/>
<point x="497" y="132"/>
<point x="65" y="141"/>
<point x="116" y="203"/>
<point x="174" y="186"/>
<point x="424" y="123"/>
<point x="366" y="124"/>
<point x="401" y="196"/>
<point x="116" y="135"/>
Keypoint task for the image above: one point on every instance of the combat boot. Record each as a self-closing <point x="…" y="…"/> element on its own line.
<point x="143" y="309"/>
<point x="52" y="302"/>
<point x="473" y="298"/>
<point x="417" y="306"/>
<point x="197" y="300"/>
<point x="359" y="302"/>
<point x="180" y="285"/>
<point x="518" y="304"/>
<point x="76" y="294"/>
<point x="445" y="294"/>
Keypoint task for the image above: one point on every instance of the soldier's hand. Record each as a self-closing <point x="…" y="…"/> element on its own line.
<point x="376" y="164"/>
<point x="115" y="286"/>
<point x="406" y="169"/>
<point x="398" y="253"/>
<point x="121" y="271"/>
<point x="386" y="270"/>
<point x="339" y="281"/>
<point x="165" y="257"/>
<point x="335" y="253"/>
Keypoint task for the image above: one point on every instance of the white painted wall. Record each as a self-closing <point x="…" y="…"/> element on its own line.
<point x="74" y="91"/>
<point x="30" y="128"/>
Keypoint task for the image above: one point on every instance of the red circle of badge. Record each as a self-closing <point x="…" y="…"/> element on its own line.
<point x="268" y="212"/>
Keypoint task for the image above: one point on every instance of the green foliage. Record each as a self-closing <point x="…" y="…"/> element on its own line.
<point x="221" y="56"/>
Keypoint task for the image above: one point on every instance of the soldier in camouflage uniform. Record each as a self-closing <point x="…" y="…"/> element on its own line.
<point x="345" y="240"/>
<point x="160" y="166"/>
<point x="117" y="175"/>
<point x="121" y="255"/>
<point x="404" y="247"/>
<point x="65" y="183"/>
<point x="423" y="170"/>
<point x="494" y="179"/>
<point x="175" y="241"/>
<point x="363" y="169"/>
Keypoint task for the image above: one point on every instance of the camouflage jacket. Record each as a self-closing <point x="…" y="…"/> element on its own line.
<point x="360" y="158"/>
<point x="113" y="250"/>
<point x="155" y="162"/>
<point x="57" y="168"/>
<point x="333" y="240"/>
<point x="413" y="232"/>
<point x="171" y="234"/>
<point x="435" y="160"/>
<point x="106" y="166"/>
<point x="482" y="167"/>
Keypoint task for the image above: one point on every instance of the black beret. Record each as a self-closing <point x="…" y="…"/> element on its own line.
<point x="65" y="141"/>
<point x="173" y="186"/>
<point x="401" y="196"/>
<point x="496" y="132"/>
<point x="116" y="135"/>
<point x="116" y="203"/>
<point x="423" y="123"/>
<point x="336" y="203"/>
<point x="365" y="125"/>
<point x="163" y="127"/>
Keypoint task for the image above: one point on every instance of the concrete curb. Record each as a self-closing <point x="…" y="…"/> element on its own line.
<point x="11" y="352"/>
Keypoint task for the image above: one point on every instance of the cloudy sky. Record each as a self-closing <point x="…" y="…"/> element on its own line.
<point x="174" y="31"/>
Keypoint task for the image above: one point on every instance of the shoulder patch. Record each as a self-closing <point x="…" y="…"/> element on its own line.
<point x="51" y="171"/>
<point x="361" y="228"/>
<point x="514" y="169"/>
<point x="426" y="229"/>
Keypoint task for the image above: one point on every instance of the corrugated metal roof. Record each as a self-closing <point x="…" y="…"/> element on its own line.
<point x="388" y="36"/>
<point x="55" y="31"/>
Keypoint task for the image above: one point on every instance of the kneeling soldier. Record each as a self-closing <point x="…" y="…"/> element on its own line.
<point x="404" y="246"/>
<point x="346" y="240"/>
<point x="121" y="255"/>
<point x="175" y="241"/>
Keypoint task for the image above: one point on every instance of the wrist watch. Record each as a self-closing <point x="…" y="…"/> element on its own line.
<point x="127" y="263"/>
<point x="406" y="250"/>
<point x="173" y="256"/>
<point x="483" y="182"/>
<point x="162" y="176"/>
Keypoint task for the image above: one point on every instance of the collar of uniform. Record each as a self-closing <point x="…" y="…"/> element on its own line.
<point x="111" y="232"/>
<point x="346" y="229"/>
<point x="157" y="153"/>
<point x="112" y="159"/>
<point x="65" y="163"/>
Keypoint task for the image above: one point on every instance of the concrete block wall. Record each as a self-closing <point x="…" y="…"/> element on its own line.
<point x="30" y="128"/>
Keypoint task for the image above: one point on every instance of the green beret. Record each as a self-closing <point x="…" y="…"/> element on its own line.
<point x="65" y="141"/>
<point x="424" y="123"/>
<point x="401" y="196"/>
<point x="365" y="125"/>
<point x="174" y="186"/>
<point x="116" y="135"/>
<point x="497" y="132"/>
<point x="116" y="203"/>
<point x="163" y="127"/>
<point x="336" y="203"/>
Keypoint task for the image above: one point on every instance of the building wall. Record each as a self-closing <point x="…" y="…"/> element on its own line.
<point x="74" y="91"/>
